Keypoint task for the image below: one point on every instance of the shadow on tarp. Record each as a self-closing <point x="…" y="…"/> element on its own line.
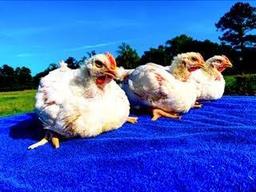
<point x="28" y="128"/>
<point x="31" y="128"/>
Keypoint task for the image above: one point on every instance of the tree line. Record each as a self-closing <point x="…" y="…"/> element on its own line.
<point x="238" y="42"/>
<point x="15" y="79"/>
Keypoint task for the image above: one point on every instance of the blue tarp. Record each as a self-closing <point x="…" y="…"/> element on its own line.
<point x="209" y="149"/>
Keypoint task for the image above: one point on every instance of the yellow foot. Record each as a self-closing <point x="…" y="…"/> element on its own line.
<point x="39" y="143"/>
<point x="55" y="142"/>
<point x="157" y="113"/>
<point x="132" y="120"/>
<point x="197" y="105"/>
<point x="48" y="136"/>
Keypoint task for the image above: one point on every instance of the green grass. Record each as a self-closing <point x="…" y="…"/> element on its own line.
<point x="16" y="102"/>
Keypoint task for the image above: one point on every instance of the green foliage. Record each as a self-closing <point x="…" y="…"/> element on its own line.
<point x="230" y="84"/>
<point x="15" y="79"/>
<point x="90" y="54"/>
<point x="164" y="53"/>
<point x="16" y="102"/>
<point x="179" y="44"/>
<point x="72" y="63"/>
<point x="158" y="55"/>
<point x="236" y="25"/>
<point x="127" y="57"/>
<point x="241" y="84"/>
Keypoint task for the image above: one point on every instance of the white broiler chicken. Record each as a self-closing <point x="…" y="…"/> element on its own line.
<point x="209" y="79"/>
<point x="168" y="95"/>
<point x="83" y="102"/>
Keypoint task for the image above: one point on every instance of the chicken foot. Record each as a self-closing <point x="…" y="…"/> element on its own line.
<point x="48" y="136"/>
<point x="157" y="113"/>
<point x="197" y="105"/>
<point x="132" y="120"/>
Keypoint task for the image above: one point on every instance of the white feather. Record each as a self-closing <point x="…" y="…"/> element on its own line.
<point x="143" y="88"/>
<point x="208" y="87"/>
<point x="64" y="94"/>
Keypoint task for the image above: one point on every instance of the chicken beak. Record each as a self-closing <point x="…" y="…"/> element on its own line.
<point x="197" y="65"/>
<point x="224" y="66"/>
<point x="112" y="73"/>
<point x="228" y="65"/>
<point x="201" y="64"/>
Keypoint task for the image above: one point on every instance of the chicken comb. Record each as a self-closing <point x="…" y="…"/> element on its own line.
<point x="111" y="60"/>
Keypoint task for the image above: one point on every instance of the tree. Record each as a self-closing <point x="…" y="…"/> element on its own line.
<point x="156" y="55"/>
<point x="127" y="56"/>
<point x="51" y="67"/>
<point x="179" y="44"/>
<point x="23" y="78"/>
<point x="91" y="53"/>
<point x="15" y="79"/>
<point x="82" y="60"/>
<point x="237" y="25"/>
<point x="8" y="77"/>
<point x="72" y="63"/>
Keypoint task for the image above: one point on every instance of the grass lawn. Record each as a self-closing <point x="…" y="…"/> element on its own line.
<point x="17" y="102"/>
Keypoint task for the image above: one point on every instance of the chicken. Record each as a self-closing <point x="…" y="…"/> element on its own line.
<point x="152" y="86"/>
<point x="209" y="79"/>
<point x="83" y="102"/>
<point x="123" y="73"/>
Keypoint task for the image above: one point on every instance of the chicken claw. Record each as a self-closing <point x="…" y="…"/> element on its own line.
<point x="157" y="113"/>
<point x="48" y="136"/>
<point x="132" y="120"/>
<point x="38" y="144"/>
<point x="197" y="105"/>
<point x="55" y="141"/>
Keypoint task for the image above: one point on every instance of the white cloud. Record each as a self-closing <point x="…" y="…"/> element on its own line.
<point x="94" y="46"/>
<point x="24" y="55"/>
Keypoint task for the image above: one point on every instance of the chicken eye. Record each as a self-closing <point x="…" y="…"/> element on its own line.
<point x="98" y="64"/>
<point x="184" y="63"/>
<point x="194" y="59"/>
<point x="218" y="60"/>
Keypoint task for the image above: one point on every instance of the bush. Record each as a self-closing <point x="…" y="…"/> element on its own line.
<point x="241" y="84"/>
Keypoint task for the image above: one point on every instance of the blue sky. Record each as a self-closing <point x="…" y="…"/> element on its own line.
<point x="35" y="34"/>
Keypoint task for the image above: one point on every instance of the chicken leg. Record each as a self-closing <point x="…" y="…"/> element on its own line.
<point x="157" y="113"/>
<point x="48" y="136"/>
<point x="197" y="105"/>
<point x="39" y="143"/>
<point x="132" y="120"/>
<point x="55" y="141"/>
